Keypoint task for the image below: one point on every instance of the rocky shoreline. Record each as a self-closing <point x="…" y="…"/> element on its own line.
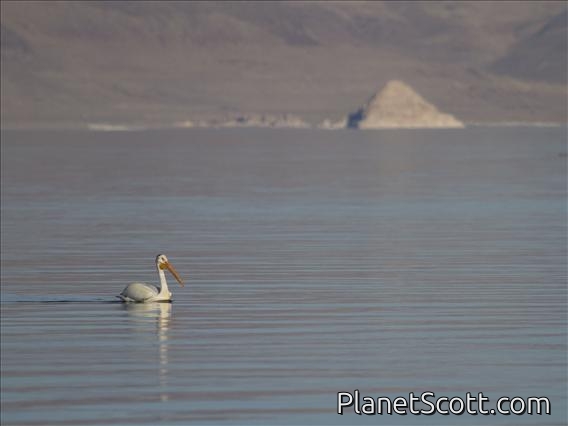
<point x="395" y="106"/>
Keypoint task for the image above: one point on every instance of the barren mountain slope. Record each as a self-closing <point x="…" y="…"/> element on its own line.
<point x="65" y="63"/>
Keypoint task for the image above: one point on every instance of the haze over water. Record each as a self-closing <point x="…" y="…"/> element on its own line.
<point x="315" y="262"/>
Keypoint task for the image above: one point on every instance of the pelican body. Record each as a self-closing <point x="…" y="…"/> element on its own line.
<point x="144" y="293"/>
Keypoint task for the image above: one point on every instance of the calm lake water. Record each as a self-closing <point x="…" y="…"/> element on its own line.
<point x="315" y="262"/>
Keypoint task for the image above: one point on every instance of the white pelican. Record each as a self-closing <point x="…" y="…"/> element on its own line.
<point x="142" y="292"/>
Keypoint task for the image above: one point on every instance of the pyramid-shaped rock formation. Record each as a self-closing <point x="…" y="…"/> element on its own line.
<point x="397" y="105"/>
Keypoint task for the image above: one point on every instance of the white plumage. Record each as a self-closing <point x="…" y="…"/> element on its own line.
<point x="143" y="293"/>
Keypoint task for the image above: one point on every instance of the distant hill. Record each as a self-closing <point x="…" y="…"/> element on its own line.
<point x="539" y="57"/>
<point x="156" y="63"/>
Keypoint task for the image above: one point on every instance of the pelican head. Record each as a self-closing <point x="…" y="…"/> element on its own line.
<point x="163" y="263"/>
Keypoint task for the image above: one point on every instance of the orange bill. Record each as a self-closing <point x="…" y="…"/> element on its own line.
<point x="174" y="273"/>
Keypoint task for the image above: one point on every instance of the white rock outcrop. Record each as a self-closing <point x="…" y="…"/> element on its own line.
<point x="265" y="120"/>
<point x="333" y="125"/>
<point x="397" y="105"/>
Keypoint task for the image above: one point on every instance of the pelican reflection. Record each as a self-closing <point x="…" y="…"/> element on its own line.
<point x="145" y="313"/>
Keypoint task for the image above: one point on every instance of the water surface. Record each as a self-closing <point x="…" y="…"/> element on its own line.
<point x="316" y="262"/>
